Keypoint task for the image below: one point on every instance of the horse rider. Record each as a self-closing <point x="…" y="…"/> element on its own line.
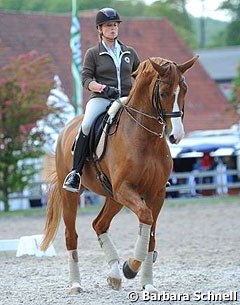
<point x="107" y="69"/>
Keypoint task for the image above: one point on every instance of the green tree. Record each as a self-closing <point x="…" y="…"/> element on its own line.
<point x="53" y="6"/>
<point x="24" y="85"/>
<point x="175" y="11"/>
<point x="232" y="32"/>
<point x="36" y="5"/>
<point x="129" y="8"/>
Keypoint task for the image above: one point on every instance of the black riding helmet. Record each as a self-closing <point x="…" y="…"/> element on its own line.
<point x="107" y="15"/>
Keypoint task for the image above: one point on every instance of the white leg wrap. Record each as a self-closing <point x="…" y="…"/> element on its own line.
<point x="108" y="248"/>
<point x="115" y="270"/>
<point x="74" y="274"/>
<point x="147" y="270"/>
<point x="142" y="244"/>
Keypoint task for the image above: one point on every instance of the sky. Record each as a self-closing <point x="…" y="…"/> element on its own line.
<point x="195" y="8"/>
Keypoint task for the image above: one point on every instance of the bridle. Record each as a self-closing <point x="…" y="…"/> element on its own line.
<point x="156" y="102"/>
<point x="157" y="106"/>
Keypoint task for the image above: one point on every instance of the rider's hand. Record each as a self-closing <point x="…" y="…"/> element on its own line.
<point x="111" y="92"/>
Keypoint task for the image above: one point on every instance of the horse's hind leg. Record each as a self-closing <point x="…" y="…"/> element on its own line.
<point x="146" y="279"/>
<point x="101" y="225"/>
<point x="70" y="206"/>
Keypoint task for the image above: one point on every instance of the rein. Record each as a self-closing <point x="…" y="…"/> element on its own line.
<point x="161" y="115"/>
<point x="158" y="119"/>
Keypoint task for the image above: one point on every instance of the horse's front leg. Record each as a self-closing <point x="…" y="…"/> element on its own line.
<point x="134" y="202"/>
<point x="146" y="279"/>
<point x="70" y="206"/>
<point x="101" y="224"/>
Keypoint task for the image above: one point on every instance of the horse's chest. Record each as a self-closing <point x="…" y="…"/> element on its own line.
<point x="154" y="173"/>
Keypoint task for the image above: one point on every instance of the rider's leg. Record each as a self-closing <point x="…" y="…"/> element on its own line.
<point x="94" y="107"/>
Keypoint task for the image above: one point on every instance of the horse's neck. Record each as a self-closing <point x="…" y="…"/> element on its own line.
<point x="141" y="98"/>
<point x="146" y="125"/>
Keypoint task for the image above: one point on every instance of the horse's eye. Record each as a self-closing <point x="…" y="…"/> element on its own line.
<point x="163" y="95"/>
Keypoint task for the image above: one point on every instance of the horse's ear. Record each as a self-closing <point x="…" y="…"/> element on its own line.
<point x="160" y="69"/>
<point x="188" y="64"/>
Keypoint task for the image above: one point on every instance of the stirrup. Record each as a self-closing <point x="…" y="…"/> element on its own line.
<point x="70" y="188"/>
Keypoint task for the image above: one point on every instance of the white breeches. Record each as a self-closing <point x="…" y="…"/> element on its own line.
<point x="94" y="107"/>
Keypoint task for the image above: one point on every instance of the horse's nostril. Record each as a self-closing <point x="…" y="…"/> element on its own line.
<point x="172" y="139"/>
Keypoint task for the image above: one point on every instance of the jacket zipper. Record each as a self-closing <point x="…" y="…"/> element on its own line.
<point x="118" y="69"/>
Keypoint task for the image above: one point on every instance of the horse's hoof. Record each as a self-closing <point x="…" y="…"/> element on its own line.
<point x="128" y="272"/>
<point x="75" y="289"/>
<point x="114" y="283"/>
<point x="150" y="288"/>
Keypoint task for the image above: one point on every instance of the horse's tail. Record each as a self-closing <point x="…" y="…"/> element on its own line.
<point x="55" y="171"/>
<point x="54" y="210"/>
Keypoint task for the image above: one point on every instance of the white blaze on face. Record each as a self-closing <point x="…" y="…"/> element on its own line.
<point x="177" y="125"/>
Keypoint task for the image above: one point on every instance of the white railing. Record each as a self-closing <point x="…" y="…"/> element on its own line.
<point x="185" y="184"/>
<point x="205" y="182"/>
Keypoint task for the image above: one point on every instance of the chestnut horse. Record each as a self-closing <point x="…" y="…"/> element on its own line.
<point x="137" y="162"/>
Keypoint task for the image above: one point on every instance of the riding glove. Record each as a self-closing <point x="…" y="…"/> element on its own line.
<point x="111" y="92"/>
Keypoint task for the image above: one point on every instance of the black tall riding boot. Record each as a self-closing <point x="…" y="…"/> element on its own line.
<point x="72" y="182"/>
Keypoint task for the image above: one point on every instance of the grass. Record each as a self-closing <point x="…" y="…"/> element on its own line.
<point x="96" y="208"/>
